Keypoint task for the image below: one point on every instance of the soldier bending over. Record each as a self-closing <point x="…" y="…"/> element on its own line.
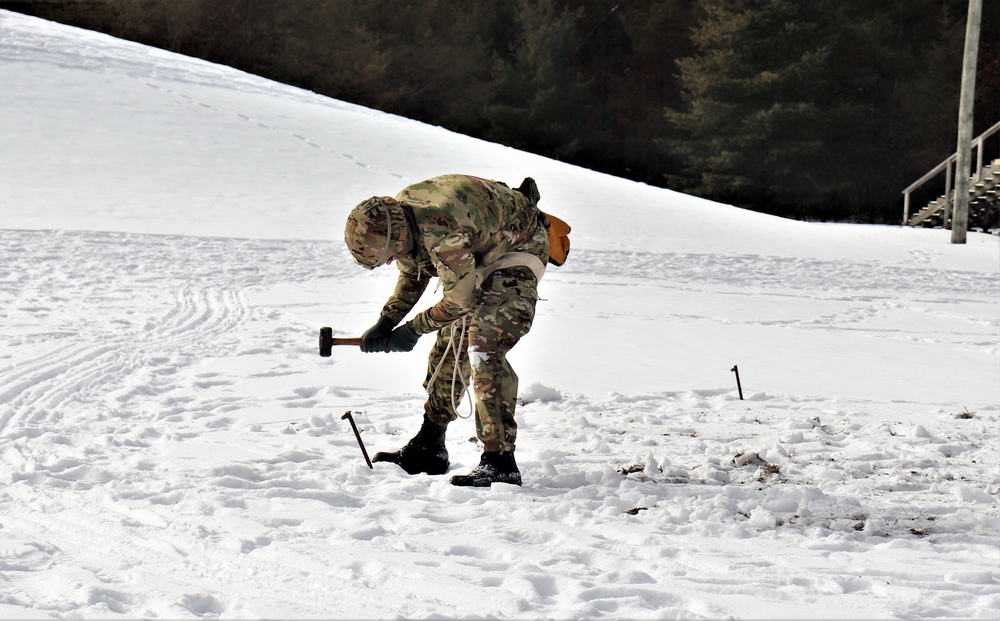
<point x="488" y="246"/>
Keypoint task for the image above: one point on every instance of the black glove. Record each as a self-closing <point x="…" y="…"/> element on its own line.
<point x="376" y="338"/>
<point x="403" y="338"/>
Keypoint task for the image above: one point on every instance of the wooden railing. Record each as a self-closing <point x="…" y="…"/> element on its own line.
<point x="948" y="166"/>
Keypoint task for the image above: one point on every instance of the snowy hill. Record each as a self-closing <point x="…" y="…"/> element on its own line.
<point x="171" y="446"/>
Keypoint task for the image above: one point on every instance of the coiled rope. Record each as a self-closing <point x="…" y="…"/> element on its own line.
<point x="456" y="374"/>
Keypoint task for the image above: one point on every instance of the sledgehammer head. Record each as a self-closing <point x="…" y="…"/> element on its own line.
<point x="325" y="341"/>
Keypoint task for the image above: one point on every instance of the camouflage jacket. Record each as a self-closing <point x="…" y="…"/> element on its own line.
<point x="459" y="223"/>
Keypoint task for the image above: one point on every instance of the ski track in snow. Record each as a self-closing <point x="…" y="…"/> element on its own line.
<point x="104" y="386"/>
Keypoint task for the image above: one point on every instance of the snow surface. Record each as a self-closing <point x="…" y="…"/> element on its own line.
<point x="172" y="446"/>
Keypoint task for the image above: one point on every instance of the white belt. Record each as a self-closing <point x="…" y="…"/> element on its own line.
<point x="511" y="259"/>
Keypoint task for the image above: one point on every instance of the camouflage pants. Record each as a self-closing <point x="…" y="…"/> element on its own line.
<point x="505" y="308"/>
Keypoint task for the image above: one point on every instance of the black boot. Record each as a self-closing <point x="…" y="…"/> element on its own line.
<point x="492" y="468"/>
<point x="426" y="452"/>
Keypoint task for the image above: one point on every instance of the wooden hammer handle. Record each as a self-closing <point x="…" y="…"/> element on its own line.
<point x="355" y="341"/>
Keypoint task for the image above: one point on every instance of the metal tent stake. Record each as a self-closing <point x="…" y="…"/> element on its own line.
<point x="735" y="370"/>
<point x="357" y="435"/>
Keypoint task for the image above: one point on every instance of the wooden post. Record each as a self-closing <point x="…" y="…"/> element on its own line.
<point x="949" y="198"/>
<point x="960" y="220"/>
<point x="979" y="159"/>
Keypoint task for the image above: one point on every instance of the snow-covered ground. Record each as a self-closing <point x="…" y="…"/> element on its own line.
<point x="172" y="446"/>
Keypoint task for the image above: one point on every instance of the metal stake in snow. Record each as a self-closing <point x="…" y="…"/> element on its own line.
<point x="357" y="435"/>
<point x="736" y="370"/>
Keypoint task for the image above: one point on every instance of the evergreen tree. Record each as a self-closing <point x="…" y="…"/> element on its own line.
<point x="660" y="33"/>
<point x="539" y="102"/>
<point x="919" y="88"/>
<point x="427" y="61"/>
<point x="602" y="55"/>
<point x="761" y="103"/>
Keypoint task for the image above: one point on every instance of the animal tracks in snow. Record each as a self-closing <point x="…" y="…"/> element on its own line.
<point x="300" y="137"/>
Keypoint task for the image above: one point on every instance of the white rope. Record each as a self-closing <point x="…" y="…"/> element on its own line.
<point x="456" y="374"/>
<point x="511" y="259"/>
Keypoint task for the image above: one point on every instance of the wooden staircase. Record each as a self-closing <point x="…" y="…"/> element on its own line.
<point x="984" y="203"/>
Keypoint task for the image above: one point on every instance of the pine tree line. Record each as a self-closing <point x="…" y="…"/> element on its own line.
<point x="823" y="109"/>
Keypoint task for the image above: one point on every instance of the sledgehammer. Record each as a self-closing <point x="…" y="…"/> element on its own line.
<point x="326" y="341"/>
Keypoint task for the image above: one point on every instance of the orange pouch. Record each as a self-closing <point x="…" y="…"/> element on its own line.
<point x="558" y="240"/>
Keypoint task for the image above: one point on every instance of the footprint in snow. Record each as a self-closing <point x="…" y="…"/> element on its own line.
<point x="201" y="604"/>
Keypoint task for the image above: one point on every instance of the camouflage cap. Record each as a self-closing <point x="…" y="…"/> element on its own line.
<point x="376" y="231"/>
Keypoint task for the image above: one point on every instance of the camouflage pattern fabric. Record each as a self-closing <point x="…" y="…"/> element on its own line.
<point x="376" y="231"/>
<point x="460" y="223"/>
<point x="503" y="314"/>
